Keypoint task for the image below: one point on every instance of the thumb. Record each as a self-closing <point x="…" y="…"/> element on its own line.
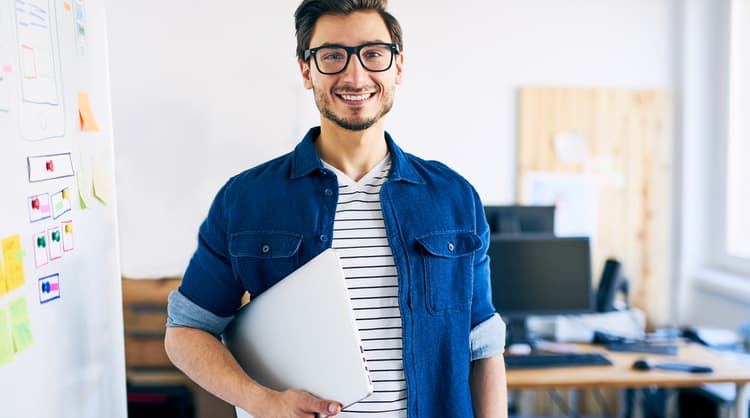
<point x="322" y="406"/>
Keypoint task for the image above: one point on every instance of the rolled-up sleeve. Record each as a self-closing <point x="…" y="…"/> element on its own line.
<point x="488" y="338"/>
<point x="182" y="312"/>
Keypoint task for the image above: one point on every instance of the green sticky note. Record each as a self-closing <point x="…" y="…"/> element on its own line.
<point x="20" y="325"/>
<point x="6" y="344"/>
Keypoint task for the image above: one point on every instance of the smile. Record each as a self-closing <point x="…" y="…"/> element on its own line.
<point x="355" y="97"/>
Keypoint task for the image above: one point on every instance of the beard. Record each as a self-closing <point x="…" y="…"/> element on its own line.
<point x="354" y="123"/>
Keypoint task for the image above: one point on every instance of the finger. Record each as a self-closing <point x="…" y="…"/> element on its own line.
<point x="326" y="407"/>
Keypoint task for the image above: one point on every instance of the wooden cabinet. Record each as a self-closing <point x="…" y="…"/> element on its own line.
<point x="147" y="364"/>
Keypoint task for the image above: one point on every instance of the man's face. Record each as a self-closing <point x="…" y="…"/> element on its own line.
<point x="357" y="98"/>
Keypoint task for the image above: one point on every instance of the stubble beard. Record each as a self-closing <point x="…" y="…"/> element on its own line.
<point x="355" y="123"/>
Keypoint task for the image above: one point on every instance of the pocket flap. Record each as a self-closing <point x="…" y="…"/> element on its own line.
<point x="264" y="244"/>
<point x="450" y="244"/>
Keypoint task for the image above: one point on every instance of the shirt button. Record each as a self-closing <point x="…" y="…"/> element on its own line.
<point x="324" y="237"/>
<point x="265" y="248"/>
<point x="328" y="192"/>
<point x="322" y="172"/>
<point x="450" y="247"/>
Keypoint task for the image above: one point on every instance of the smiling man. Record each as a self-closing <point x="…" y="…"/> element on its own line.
<point x="411" y="236"/>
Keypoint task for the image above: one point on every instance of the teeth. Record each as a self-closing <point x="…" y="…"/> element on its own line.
<point x="355" y="98"/>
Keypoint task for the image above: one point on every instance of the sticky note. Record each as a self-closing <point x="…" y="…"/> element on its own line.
<point x="3" y="284"/>
<point x="86" y="114"/>
<point x="20" y="325"/>
<point x="13" y="262"/>
<point x="85" y="187"/>
<point x="67" y="6"/>
<point x="102" y="182"/>
<point x="6" y="343"/>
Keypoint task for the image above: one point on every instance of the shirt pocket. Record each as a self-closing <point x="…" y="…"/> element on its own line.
<point x="448" y="258"/>
<point x="262" y="258"/>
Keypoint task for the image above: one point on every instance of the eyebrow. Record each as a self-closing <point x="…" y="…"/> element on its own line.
<point x="376" y="41"/>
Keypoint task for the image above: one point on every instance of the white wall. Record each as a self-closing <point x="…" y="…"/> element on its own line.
<point x="708" y="296"/>
<point x="202" y="90"/>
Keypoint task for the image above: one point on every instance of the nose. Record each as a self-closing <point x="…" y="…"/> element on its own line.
<point x="355" y="73"/>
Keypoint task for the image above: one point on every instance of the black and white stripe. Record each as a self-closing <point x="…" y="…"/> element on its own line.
<point x="359" y="239"/>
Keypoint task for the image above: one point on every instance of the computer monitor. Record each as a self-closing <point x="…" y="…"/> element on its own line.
<point x="539" y="275"/>
<point x="515" y="219"/>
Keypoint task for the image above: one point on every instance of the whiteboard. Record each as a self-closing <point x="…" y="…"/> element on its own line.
<point x="61" y="333"/>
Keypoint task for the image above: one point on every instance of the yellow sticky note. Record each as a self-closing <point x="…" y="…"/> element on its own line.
<point x="13" y="262"/>
<point x="102" y="182"/>
<point x="85" y="114"/>
<point x="67" y="6"/>
<point x="3" y="283"/>
<point x="6" y="343"/>
<point x="20" y="325"/>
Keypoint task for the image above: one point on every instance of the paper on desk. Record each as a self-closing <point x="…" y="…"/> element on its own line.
<point x="629" y="324"/>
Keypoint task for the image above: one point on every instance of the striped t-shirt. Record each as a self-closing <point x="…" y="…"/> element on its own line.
<point x="359" y="238"/>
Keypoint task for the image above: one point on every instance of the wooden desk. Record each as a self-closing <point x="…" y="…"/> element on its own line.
<point x="622" y="375"/>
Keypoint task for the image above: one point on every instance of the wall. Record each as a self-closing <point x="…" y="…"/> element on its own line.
<point x="704" y="124"/>
<point x="200" y="93"/>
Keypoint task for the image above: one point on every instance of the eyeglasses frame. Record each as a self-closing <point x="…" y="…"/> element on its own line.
<point x="351" y="50"/>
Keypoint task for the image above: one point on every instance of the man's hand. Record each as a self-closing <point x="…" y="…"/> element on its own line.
<point x="297" y="404"/>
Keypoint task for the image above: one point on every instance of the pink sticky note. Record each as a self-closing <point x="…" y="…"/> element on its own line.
<point x="8" y="68"/>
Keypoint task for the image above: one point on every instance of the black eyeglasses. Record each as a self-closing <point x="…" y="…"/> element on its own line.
<point x="333" y="59"/>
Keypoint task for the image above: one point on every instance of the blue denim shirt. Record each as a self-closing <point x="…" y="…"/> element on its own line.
<point x="269" y="220"/>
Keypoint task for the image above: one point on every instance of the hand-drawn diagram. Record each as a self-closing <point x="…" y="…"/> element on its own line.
<point x="42" y="113"/>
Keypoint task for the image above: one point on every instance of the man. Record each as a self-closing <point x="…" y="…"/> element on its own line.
<point x="411" y="236"/>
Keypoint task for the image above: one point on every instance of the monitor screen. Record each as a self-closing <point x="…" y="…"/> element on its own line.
<point x="534" y="275"/>
<point x="516" y="219"/>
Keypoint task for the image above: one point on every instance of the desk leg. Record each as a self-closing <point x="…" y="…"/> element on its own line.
<point x="740" y="402"/>
<point x="574" y="410"/>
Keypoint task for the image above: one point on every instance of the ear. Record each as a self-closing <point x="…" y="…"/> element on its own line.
<point x="399" y="67"/>
<point x="304" y="69"/>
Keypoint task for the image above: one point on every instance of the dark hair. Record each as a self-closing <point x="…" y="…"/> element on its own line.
<point x="309" y="11"/>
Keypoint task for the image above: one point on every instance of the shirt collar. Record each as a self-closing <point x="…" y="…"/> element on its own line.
<point x="305" y="159"/>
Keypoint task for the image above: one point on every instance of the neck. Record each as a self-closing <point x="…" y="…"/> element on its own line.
<point x="354" y="153"/>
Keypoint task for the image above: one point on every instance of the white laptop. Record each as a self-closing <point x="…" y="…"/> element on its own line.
<point x="301" y="334"/>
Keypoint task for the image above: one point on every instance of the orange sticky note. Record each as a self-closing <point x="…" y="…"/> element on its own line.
<point x="85" y="114"/>
<point x="67" y="6"/>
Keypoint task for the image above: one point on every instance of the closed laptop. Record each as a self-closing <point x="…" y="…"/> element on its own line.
<point x="301" y="334"/>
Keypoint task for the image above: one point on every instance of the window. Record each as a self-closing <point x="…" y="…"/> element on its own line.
<point x="737" y="226"/>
